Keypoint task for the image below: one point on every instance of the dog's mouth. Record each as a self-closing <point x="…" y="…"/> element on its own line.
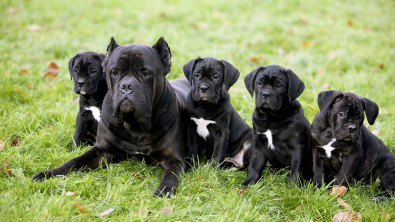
<point x="126" y="106"/>
<point x="82" y="92"/>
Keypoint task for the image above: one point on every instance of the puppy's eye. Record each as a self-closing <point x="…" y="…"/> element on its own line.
<point x="197" y="75"/>
<point x="342" y="114"/>
<point x="114" y="73"/>
<point x="93" y="71"/>
<point x="259" y="83"/>
<point x="215" y="76"/>
<point x="145" y="74"/>
<point x="75" y="70"/>
<point x="279" y="85"/>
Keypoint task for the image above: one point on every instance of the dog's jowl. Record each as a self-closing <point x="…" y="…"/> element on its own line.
<point x="343" y="148"/>
<point x="281" y="131"/>
<point x="143" y="114"/>
<point x="90" y="82"/>
<point x="215" y="125"/>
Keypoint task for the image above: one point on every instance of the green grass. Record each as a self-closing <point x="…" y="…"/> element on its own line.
<point x="338" y="43"/>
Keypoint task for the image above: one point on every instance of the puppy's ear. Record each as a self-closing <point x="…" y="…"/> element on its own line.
<point x="164" y="52"/>
<point x="100" y="56"/>
<point x="249" y="80"/>
<point x="71" y="64"/>
<point x="189" y="67"/>
<point x="371" y="110"/>
<point x="295" y="85"/>
<point x="326" y="98"/>
<point x="231" y="74"/>
<point x="111" y="47"/>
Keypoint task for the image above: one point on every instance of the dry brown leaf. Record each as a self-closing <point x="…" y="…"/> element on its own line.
<point x="344" y="204"/>
<point x="53" y="68"/>
<point x="15" y="142"/>
<point x="166" y="209"/>
<point x="105" y="213"/>
<point x="380" y="66"/>
<point x="69" y="193"/>
<point x="80" y="208"/>
<point x="2" y="145"/>
<point x="239" y="192"/>
<point x="23" y="72"/>
<point x="255" y="59"/>
<point x="385" y="216"/>
<point x="33" y="28"/>
<point x="325" y="86"/>
<point x="349" y="22"/>
<point x="142" y="212"/>
<point x="306" y="43"/>
<point x="49" y="76"/>
<point x="339" y="191"/>
<point x="347" y="217"/>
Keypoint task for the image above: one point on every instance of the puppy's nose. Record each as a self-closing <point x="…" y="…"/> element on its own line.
<point x="126" y="87"/>
<point x="203" y="88"/>
<point x="266" y="94"/>
<point x="80" y="82"/>
<point x="351" y="128"/>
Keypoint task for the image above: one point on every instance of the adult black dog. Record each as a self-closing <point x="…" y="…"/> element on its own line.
<point x="281" y="131"/>
<point x="343" y="147"/>
<point x="91" y="83"/>
<point x="215" y="126"/>
<point x="143" y="114"/>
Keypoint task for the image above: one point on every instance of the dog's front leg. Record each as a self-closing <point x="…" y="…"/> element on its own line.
<point x="220" y="145"/>
<point x="192" y="153"/>
<point x="172" y="169"/>
<point x="348" y="169"/>
<point x="296" y="164"/>
<point x="81" y="130"/>
<point x="318" y="169"/>
<point x="257" y="164"/>
<point x="91" y="159"/>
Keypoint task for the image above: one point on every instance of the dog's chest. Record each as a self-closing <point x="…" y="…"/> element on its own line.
<point x="96" y="112"/>
<point x="268" y="136"/>
<point x="201" y="126"/>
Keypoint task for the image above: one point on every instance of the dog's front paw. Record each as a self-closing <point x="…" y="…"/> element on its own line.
<point x="40" y="176"/>
<point x="165" y="192"/>
<point x="250" y="180"/>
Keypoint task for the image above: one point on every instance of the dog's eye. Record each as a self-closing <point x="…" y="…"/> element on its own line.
<point x="93" y="71"/>
<point x="279" y="85"/>
<point x="259" y="83"/>
<point x="145" y="74"/>
<point x="215" y="76"/>
<point x="75" y="70"/>
<point x="197" y="75"/>
<point x="342" y="114"/>
<point x="114" y="73"/>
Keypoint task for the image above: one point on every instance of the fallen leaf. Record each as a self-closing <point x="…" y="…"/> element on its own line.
<point x="349" y="22"/>
<point x="376" y="132"/>
<point x="347" y="217"/>
<point x="339" y="191"/>
<point x="385" y="216"/>
<point x="33" y="28"/>
<point x="49" y="76"/>
<point x="105" y="213"/>
<point x="142" y="212"/>
<point x="255" y="59"/>
<point x="239" y="192"/>
<point x="325" y="86"/>
<point x="15" y="142"/>
<point x="69" y="193"/>
<point x="306" y="43"/>
<point x="166" y="209"/>
<point x="80" y="208"/>
<point x="2" y="145"/>
<point x="381" y="66"/>
<point x="23" y="72"/>
<point x="344" y="204"/>
<point x="53" y="68"/>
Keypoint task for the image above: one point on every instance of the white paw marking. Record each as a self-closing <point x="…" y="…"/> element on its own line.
<point x="202" y="126"/>
<point x="328" y="148"/>
<point x="237" y="159"/>
<point x="269" y="137"/>
<point x="95" y="112"/>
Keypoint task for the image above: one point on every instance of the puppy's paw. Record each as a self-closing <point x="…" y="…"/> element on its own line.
<point x="165" y="192"/>
<point x="40" y="177"/>
<point x="249" y="181"/>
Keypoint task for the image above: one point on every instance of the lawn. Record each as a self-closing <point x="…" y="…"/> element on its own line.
<point x="343" y="45"/>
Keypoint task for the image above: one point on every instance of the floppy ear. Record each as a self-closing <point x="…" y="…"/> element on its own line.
<point x="164" y="52"/>
<point x="295" y="85"/>
<point x="189" y="67"/>
<point x="231" y="74"/>
<point x="71" y="64"/>
<point x="249" y="80"/>
<point x="326" y="98"/>
<point x="101" y="57"/>
<point x="371" y="110"/>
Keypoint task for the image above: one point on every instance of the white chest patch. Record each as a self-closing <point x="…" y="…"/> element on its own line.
<point x="202" y="126"/>
<point x="269" y="137"/>
<point x="95" y="112"/>
<point x="328" y="148"/>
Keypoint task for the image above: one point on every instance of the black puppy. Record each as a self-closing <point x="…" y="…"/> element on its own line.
<point x="281" y="131"/>
<point x="343" y="147"/>
<point x="215" y="126"/>
<point x="143" y="114"/>
<point x="91" y="83"/>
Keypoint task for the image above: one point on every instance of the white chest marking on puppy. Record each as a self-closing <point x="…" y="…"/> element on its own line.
<point x="95" y="112"/>
<point x="328" y="148"/>
<point x="202" y="126"/>
<point x="269" y="137"/>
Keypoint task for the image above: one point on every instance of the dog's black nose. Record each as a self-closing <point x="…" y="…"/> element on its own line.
<point x="126" y="87"/>
<point x="203" y="88"/>
<point x="266" y="94"/>
<point x="80" y="82"/>
<point x="351" y="128"/>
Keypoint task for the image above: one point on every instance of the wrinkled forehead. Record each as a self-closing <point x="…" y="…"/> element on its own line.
<point x="272" y="72"/>
<point x="132" y="53"/>
<point x="209" y="63"/>
<point x="349" y="100"/>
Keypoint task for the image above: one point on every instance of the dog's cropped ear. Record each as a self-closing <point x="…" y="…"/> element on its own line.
<point x="326" y="98"/>
<point x="249" y="80"/>
<point x="164" y="52"/>
<point x="231" y="74"/>
<point x="111" y="47"/>
<point x="71" y="64"/>
<point x="295" y="85"/>
<point x="371" y="110"/>
<point x="189" y="67"/>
